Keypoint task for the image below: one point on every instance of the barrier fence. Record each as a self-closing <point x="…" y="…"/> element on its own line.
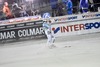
<point x="27" y="28"/>
<point x="21" y="31"/>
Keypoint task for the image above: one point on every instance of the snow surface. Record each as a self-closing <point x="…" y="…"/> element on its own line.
<point x="84" y="52"/>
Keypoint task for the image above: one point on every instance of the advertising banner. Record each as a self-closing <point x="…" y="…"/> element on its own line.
<point x="71" y="18"/>
<point x="22" y="31"/>
<point x="76" y="28"/>
<point x="20" y="20"/>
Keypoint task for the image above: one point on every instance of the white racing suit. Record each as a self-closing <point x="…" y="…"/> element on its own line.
<point x="49" y="33"/>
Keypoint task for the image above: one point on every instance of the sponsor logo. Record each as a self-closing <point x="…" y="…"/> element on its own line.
<point x="91" y="15"/>
<point x="30" y="32"/>
<point x="76" y="27"/>
<point x="7" y="35"/>
<point x="21" y="33"/>
<point x="65" y="18"/>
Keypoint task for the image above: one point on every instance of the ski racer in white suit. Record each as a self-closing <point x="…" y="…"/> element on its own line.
<point x="49" y="33"/>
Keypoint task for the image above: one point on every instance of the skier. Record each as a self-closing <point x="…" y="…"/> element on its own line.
<point x="49" y="33"/>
